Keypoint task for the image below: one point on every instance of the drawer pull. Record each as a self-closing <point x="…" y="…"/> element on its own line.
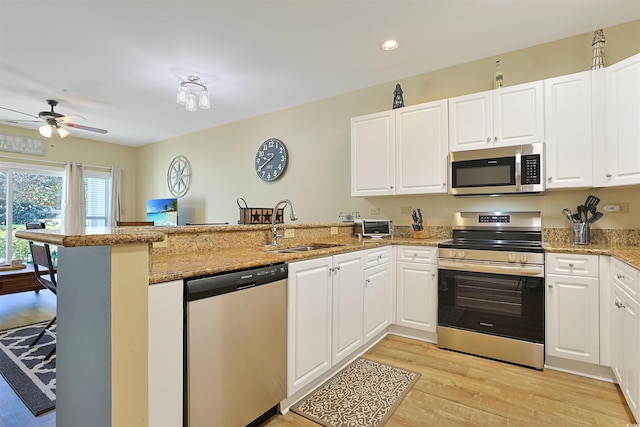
<point x="620" y="276"/>
<point x="570" y="265"/>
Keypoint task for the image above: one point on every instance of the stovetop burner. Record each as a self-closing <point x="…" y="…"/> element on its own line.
<point x="497" y="231"/>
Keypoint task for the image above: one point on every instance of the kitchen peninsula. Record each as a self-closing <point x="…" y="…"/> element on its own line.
<point x="103" y="300"/>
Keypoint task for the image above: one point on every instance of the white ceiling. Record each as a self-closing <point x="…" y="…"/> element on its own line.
<point x="118" y="63"/>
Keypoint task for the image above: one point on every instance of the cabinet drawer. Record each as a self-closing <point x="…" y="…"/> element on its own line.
<point x="572" y="264"/>
<point x="420" y="254"/>
<point x="626" y="277"/>
<point x="377" y="256"/>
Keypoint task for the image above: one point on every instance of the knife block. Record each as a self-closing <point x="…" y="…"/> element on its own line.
<point x="422" y="234"/>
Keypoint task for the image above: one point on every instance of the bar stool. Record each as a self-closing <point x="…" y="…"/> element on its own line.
<point x="45" y="274"/>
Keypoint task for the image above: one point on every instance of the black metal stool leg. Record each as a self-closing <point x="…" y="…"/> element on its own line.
<point x="43" y="331"/>
<point x="53" y="350"/>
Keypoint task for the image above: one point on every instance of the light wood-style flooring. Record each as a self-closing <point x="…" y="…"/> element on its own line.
<point x="454" y="390"/>
<point x="462" y="390"/>
<point x="20" y="309"/>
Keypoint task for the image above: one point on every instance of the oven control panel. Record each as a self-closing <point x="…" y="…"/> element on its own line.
<point x="484" y="219"/>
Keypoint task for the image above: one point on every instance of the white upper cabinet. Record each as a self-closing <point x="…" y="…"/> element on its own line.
<point x="507" y="116"/>
<point x="569" y="154"/>
<point x="373" y="154"/>
<point x="471" y="121"/>
<point x="401" y="151"/>
<point x="422" y="147"/>
<point x="617" y="147"/>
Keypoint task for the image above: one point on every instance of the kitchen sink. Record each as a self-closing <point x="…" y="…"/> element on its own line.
<point x="305" y="248"/>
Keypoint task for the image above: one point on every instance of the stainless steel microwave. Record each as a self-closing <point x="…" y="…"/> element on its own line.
<point x="505" y="170"/>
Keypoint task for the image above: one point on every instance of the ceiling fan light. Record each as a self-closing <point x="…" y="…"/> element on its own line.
<point x="45" y="131"/>
<point x="182" y="95"/>
<point x="191" y="102"/>
<point x="205" y="101"/>
<point x="62" y="132"/>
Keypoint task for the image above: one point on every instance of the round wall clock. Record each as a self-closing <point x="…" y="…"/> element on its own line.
<point x="179" y="176"/>
<point x="271" y="159"/>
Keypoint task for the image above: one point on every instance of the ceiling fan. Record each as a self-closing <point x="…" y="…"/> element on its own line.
<point x="54" y="121"/>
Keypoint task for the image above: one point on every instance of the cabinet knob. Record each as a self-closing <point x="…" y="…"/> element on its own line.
<point x="550" y="286"/>
<point x="415" y="254"/>
<point x="549" y="179"/>
<point x="608" y="175"/>
<point x="488" y="139"/>
<point x="570" y="265"/>
<point x="495" y="139"/>
<point x="337" y="268"/>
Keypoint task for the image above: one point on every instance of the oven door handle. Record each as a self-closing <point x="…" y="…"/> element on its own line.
<point x="514" y="270"/>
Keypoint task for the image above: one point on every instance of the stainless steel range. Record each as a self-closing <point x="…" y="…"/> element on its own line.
<point x="491" y="287"/>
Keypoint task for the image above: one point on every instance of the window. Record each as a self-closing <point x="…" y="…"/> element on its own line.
<point x="33" y="194"/>
<point x="97" y="191"/>
<point x="27" y="195"/>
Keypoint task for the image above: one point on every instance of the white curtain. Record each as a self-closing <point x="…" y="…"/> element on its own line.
<point x="73" y="203"/>
<point x="116" y="195"/>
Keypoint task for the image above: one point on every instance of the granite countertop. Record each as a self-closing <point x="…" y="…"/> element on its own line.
<point x="92" y="236"/>
<point x="166" y="269"/>
<point x="628" y="254"/>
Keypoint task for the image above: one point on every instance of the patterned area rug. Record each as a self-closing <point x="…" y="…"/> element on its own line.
<point x="24" y="367"/>
<point x="363" y="394"/>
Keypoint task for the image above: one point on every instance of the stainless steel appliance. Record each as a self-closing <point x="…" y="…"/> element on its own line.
<point x="377" y="228"/>
<point x="504" y="170"/>
<point x="235" y="347"/>
<point x="491" y="287"/>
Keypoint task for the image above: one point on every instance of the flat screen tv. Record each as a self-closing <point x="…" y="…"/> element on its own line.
<point x="163" y="211"/>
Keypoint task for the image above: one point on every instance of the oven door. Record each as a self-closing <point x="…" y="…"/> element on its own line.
<point x="506" y="305"/>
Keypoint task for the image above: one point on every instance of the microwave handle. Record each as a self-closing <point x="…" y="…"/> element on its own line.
<point x="519" y="169"/>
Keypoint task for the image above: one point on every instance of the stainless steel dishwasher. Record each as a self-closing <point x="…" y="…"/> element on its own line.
<point x="235" y="347"/>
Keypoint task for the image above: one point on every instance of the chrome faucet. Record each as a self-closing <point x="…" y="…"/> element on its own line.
<point x="293" y="217"/>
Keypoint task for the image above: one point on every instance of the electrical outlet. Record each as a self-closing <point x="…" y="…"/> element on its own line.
<point x="334" y="231"/>
<point x="405" y="210"/>
<point x="288" y="233"/>
<point x="375" y="211"/>
<point x="162" y="244"/>
<point x="617" y="207"/>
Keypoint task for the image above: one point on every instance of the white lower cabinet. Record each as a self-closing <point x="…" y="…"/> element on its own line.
<point x="165" y="353"/>
<point x="625" y="334"/>
<point x="378" y="297"/>
<point x="348" y="304"/>
<point x="572" y="307"/>
<point x="417" y="287"/>
<point x="336" y="305"/>
<point x="309" y="321"/>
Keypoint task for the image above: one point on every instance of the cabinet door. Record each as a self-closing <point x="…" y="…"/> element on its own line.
<point x="623" y="122"/>
<point x="568" y="135"/>
<point x="471" y="121"/>
<point x="348" y="294"/>
<point x="378" y="299"/>
<point x="573" y="324"/>
<point x="166" y="362"/>
<point x="422" y="146"/>
<point x="373" y="154"/>
<point x="417" y="295"/>
<point x="626" y="348"/>
<point x="518" y="114"/>
<point x="309" y="322"/>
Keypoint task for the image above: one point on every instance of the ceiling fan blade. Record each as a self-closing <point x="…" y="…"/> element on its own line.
<point x="20" y="121"/>
<point x="69" y="119"/>
<point x="20" y="112"/>
<point x="73" y="125"/>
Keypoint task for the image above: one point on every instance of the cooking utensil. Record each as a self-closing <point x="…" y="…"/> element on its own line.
<point x="591" y="201"/>
<point x="568" y="214"/>
<point x="419" y="219"/>
<point x="595" y="217"/>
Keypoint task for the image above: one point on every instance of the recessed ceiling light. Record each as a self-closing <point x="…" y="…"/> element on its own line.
<point x="389" y="45"/>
